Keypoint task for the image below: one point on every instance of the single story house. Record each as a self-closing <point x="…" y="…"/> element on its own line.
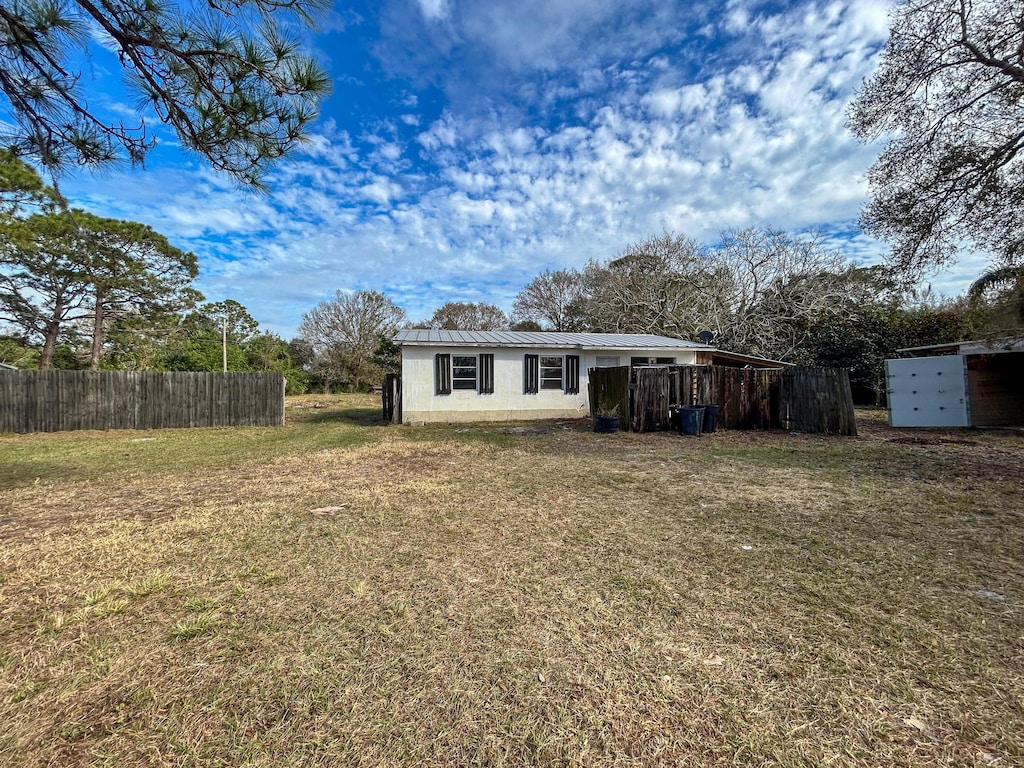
<point x="963" y="384"/>
<point x="457" y="376"/>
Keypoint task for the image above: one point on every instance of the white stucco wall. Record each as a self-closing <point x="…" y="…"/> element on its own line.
<point x="509" y="402"/>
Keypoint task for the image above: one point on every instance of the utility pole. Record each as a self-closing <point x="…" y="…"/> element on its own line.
<point x="224" y="342"/>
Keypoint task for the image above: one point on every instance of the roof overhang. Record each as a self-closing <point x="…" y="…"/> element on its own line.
<point x="976" y="347"/>
<point x="734" y="358"/>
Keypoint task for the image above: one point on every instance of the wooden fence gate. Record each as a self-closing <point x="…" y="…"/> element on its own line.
<point x="655" y="393"/>
<point x="817" y="400"/>
<point x="608" y="389"/>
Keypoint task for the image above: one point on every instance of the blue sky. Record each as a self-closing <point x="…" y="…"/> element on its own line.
<point x="468" y="146"/>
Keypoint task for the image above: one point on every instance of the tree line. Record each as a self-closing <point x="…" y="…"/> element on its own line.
<point x="79" y="290"/>
<point x="770" y="294"/>
<point x="760" y="292"/>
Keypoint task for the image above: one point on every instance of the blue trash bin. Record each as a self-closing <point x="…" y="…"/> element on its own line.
<point x="690" y="419"/>
<point x="710" y="417"/>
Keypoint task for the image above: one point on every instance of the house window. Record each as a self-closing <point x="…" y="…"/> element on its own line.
<point x="463" y="371"/>
<point x="550" y="372"/>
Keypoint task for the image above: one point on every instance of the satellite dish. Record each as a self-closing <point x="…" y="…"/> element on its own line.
<point x="706" y="336"/>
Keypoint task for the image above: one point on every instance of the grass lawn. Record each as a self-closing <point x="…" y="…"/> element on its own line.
<point x="510" y="595"/>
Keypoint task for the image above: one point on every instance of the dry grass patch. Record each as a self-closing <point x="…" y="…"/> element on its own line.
<point x="499" y="596"/>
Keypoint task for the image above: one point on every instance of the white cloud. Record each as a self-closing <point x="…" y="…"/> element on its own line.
<point x="632" y="137"/>
<point x="435" y="10"/>
<point x="441" y="133"/>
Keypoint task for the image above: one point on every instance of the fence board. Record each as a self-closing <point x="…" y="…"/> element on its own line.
<point x="817" y="400"/>
<point x="51" y="401"/>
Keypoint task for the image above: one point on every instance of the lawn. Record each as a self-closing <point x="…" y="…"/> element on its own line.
<point x="337" y="592"/>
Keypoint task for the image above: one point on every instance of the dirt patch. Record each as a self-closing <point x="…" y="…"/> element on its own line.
<point x="913" y="440"/>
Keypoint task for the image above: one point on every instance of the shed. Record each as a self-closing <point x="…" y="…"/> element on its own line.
<point x="963" y="384"/>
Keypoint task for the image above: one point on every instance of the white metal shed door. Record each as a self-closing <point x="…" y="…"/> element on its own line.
<point x="927" y="391"/>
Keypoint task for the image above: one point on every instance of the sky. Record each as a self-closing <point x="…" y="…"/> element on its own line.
<point x="469" y="146"/>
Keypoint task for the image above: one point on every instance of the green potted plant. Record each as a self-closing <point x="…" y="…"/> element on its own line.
<point x="606" y="419"/>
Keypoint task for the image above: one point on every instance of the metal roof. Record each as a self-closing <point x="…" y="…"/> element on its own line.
<point x="976" y="347"/>
<point x="432" y="337"/>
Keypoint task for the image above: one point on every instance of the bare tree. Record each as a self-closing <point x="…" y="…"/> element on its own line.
<point x="662" y="285"/>
<point x="552" y="300"/>
<point x="346" y="332"/>
<point x="761" y="291"/>
<point x="774" y="288"/>
<point x="466" y="316"/>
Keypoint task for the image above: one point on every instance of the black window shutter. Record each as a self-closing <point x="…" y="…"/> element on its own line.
<point x="572" y="374"/>
<point x="531" y="374"/>
<point x="443" y="374"/>
<point x="485" y="375"/>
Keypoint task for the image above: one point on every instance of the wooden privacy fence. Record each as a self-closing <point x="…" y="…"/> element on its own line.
<point x="747" y="397"/>
<point x="391" y="398"/>
<point x="801" y="399"/>
<point x="54" y="401"/>
<point x="817" y="400"/>
<point x="654" y="390"/>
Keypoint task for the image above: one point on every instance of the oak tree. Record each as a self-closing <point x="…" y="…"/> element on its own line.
<point x="948" y="98"/>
